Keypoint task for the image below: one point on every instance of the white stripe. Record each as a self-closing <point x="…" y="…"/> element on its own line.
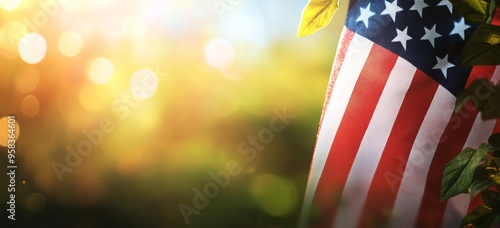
<point x="414" y="178"/>
<point x="373" y="144"/>
<point x="354" y="61"/>
<point x="456" y="208"/>
<point x="480" y="132"/>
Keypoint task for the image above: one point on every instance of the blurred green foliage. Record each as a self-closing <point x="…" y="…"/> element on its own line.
<point x="167" y="145"/>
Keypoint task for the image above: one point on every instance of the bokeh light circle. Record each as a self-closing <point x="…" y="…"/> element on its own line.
<point x="219" y="53"/>
<point x="276" y="196"/>
<point x="10" y="5"/>
<point x="70" y="43"/>
<point x="100" y="71"/>
<point x="144" y="84"/>
<point x="4" y="133"/>
<point x="32" y="48"/>
<point x="30" y="106"/>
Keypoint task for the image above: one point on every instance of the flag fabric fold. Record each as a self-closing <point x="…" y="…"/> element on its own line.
<point x="388" y="128"/>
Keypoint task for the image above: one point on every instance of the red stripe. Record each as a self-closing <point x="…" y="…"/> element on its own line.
<point x="475" y="203"/>
<point x="387" y="178"/>
<point x="496" y="130"/>
<point x="480" y="72"/>
<point x="432" y="208"/>
<point x="358" y="113"/>
<point x="496" y="18"/>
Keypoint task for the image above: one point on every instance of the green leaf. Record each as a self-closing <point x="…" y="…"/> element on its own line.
<point x="462" y="98"/>
<point x="479" y="186"/>
<point x="483" y="47"/>
<point x="494" y="142"/>
<point x="482" y="216"/>
<point x="475" y="11"/>
<point x="479" y="88"/>
<point x="459" y="172"/>
<point x="484" y="96"/>
<point x="316" y="15"/>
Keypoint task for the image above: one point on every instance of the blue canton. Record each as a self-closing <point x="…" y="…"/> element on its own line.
<point x="426" y="33"/>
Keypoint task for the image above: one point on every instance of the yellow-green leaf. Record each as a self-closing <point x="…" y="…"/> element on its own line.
<point x="316" y="15"/>
<point x="483" y="46"/>
<point x="475" y="11"/>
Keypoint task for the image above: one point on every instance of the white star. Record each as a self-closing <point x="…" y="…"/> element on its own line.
<point x="448" y="4"/>
<point x="460" y="28"/>
<point x="391" y="9"/>
<point x="443" y="65"/>
<point x="419" y="5"/>
<point x="402" y="37"/>
<point x="430" y="35"/>
<point x="365" y="15"/>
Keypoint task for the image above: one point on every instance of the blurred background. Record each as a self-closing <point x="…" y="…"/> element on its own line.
<point x="125" y="108"/>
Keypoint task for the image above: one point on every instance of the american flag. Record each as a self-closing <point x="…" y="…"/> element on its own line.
<point x="388" y="128"/>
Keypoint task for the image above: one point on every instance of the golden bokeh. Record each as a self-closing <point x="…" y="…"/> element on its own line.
<point x="128" y="107"/>
<point x="70" y="43"/>
<point x="100" y="70"/>
<point x="6" y="130"/>
<point x="32" y="48"/>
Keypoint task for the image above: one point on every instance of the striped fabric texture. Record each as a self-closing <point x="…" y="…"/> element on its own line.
<point x="388" y="128"/>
